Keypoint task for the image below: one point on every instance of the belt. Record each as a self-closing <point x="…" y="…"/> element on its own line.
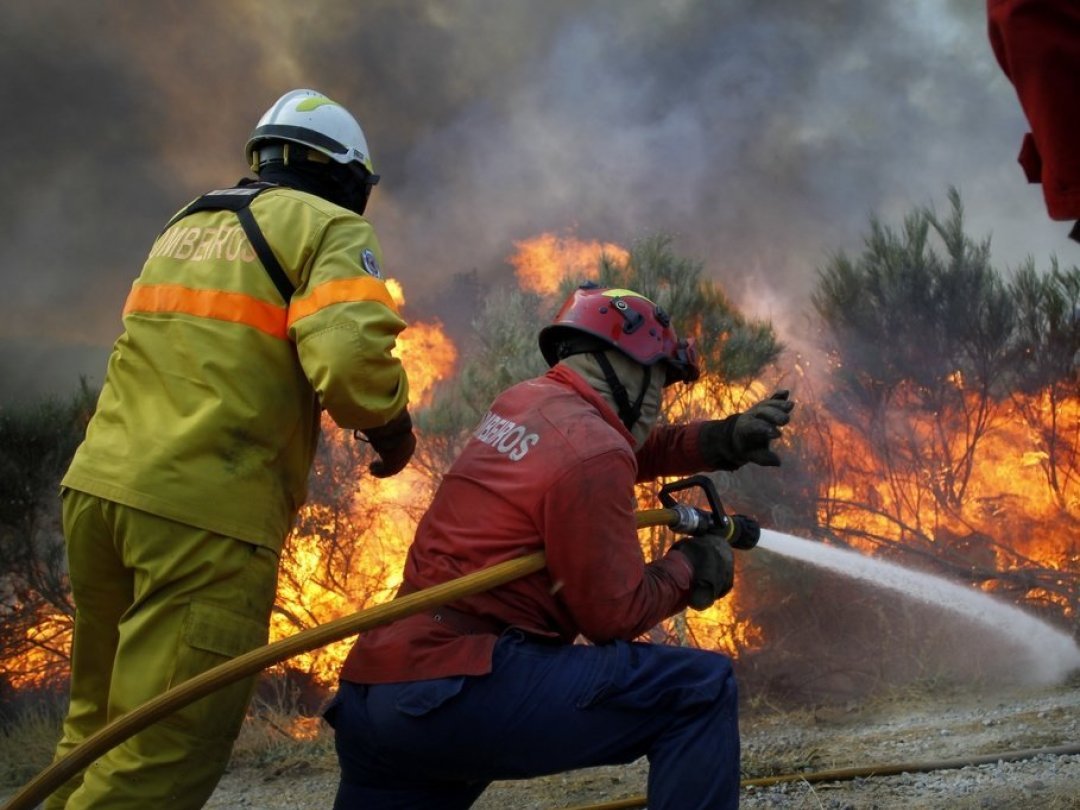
<point x="466" y="624"/>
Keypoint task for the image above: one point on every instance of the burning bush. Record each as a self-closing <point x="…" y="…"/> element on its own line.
<point x="953" y="411"/>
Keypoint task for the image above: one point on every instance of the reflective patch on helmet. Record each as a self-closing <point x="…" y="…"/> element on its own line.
<point x="314" y="102"/>
<point x="621" y="293"/>
<point x="370" y="263"/>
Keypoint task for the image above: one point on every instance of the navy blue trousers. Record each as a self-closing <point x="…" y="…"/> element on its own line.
<point x="543" y="709"/>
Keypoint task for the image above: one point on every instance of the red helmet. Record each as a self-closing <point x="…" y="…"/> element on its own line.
<point x="624" y="320"/>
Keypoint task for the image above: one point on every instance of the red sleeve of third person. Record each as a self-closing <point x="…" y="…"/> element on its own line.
<point x="1037" y="43"/>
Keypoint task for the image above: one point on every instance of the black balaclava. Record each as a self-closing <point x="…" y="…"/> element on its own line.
<point x="339" y="184"/>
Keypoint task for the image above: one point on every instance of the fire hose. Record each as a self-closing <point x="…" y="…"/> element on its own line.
<point x="678" y="517"/>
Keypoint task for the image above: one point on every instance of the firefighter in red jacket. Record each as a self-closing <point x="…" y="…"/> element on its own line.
<point x="1037" y="44"/>
<point x="258" y="307"/>
<point x="434" y="707"/>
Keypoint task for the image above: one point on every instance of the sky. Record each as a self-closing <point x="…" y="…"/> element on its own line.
<point x="760" y="136"/>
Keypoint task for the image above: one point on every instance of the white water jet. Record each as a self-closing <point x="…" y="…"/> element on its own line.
<point x="1053" y="653"/>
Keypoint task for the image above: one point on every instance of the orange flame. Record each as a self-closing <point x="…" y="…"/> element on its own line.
<point x="428" y="357"/>
<point x="1010" y="516"/>
<point x="543" y="261"/>
<point x="39" y="663"/>
<point x="379" y="528"/>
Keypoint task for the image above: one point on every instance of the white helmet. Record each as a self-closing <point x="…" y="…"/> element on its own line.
<point x="309" y="118"/>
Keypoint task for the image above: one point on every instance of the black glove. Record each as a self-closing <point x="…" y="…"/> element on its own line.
<point x="727" y="444"/>
<point x="713" y="562"/>
<point x="394" y="442"/>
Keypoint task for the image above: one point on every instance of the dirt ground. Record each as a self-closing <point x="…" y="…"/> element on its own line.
<point x="911" y="729"/>
<point x="917" y="727"/>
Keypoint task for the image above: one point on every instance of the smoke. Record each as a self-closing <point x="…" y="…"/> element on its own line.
<point x="761" y="136"/>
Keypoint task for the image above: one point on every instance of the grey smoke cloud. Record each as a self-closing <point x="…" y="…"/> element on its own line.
<point x="761" y="135"/>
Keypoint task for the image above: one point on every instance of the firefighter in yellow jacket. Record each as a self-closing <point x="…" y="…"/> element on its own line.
<point x="258" y="307"/>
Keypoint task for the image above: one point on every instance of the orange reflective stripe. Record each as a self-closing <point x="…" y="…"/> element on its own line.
<point x="217" y="304"/>
<point x="361" y="288"/>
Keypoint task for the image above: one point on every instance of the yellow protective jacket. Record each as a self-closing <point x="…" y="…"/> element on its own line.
<point x="209" y="413"/>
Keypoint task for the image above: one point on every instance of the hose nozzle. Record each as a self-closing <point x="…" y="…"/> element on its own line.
<point x="746" y="534"/>
<point x="741" y="531"/>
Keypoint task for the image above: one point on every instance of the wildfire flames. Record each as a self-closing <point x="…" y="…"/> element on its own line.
<point x="347" y="556"/>
<point x="544" y="261"/>
<point x="46" y="640"/>
<point x="391" y="508"/>
<point x="1009" y="516"/>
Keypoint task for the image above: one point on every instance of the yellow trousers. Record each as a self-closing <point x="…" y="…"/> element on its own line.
<point x="157" y="602"/>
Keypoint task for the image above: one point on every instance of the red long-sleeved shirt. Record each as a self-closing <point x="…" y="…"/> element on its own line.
<point x="550" y="468"/>
<point x="1037" y="44"/>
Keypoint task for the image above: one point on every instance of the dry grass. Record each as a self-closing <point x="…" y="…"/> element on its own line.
<point x="275" y="734"/>
<point x="28" y="736"/>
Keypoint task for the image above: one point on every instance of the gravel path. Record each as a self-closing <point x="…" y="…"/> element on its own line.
<point x="886" y="732"/>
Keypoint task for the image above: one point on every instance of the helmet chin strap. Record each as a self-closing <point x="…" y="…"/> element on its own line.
<point x="628" y="414"/>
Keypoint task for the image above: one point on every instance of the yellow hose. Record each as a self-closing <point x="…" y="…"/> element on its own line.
<point x="259" y="659"/>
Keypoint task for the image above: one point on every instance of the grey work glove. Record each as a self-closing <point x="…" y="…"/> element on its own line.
<point x="713" y="562"/>
<point x="394" y="442"/>
<point x="744" y="438"/>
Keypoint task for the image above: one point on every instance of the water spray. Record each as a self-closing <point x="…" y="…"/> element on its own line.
<point x="1053" y="653"/>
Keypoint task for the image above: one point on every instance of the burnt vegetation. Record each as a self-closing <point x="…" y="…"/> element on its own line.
<point x="933" y="355"/>
<point x="930" y="358"/>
